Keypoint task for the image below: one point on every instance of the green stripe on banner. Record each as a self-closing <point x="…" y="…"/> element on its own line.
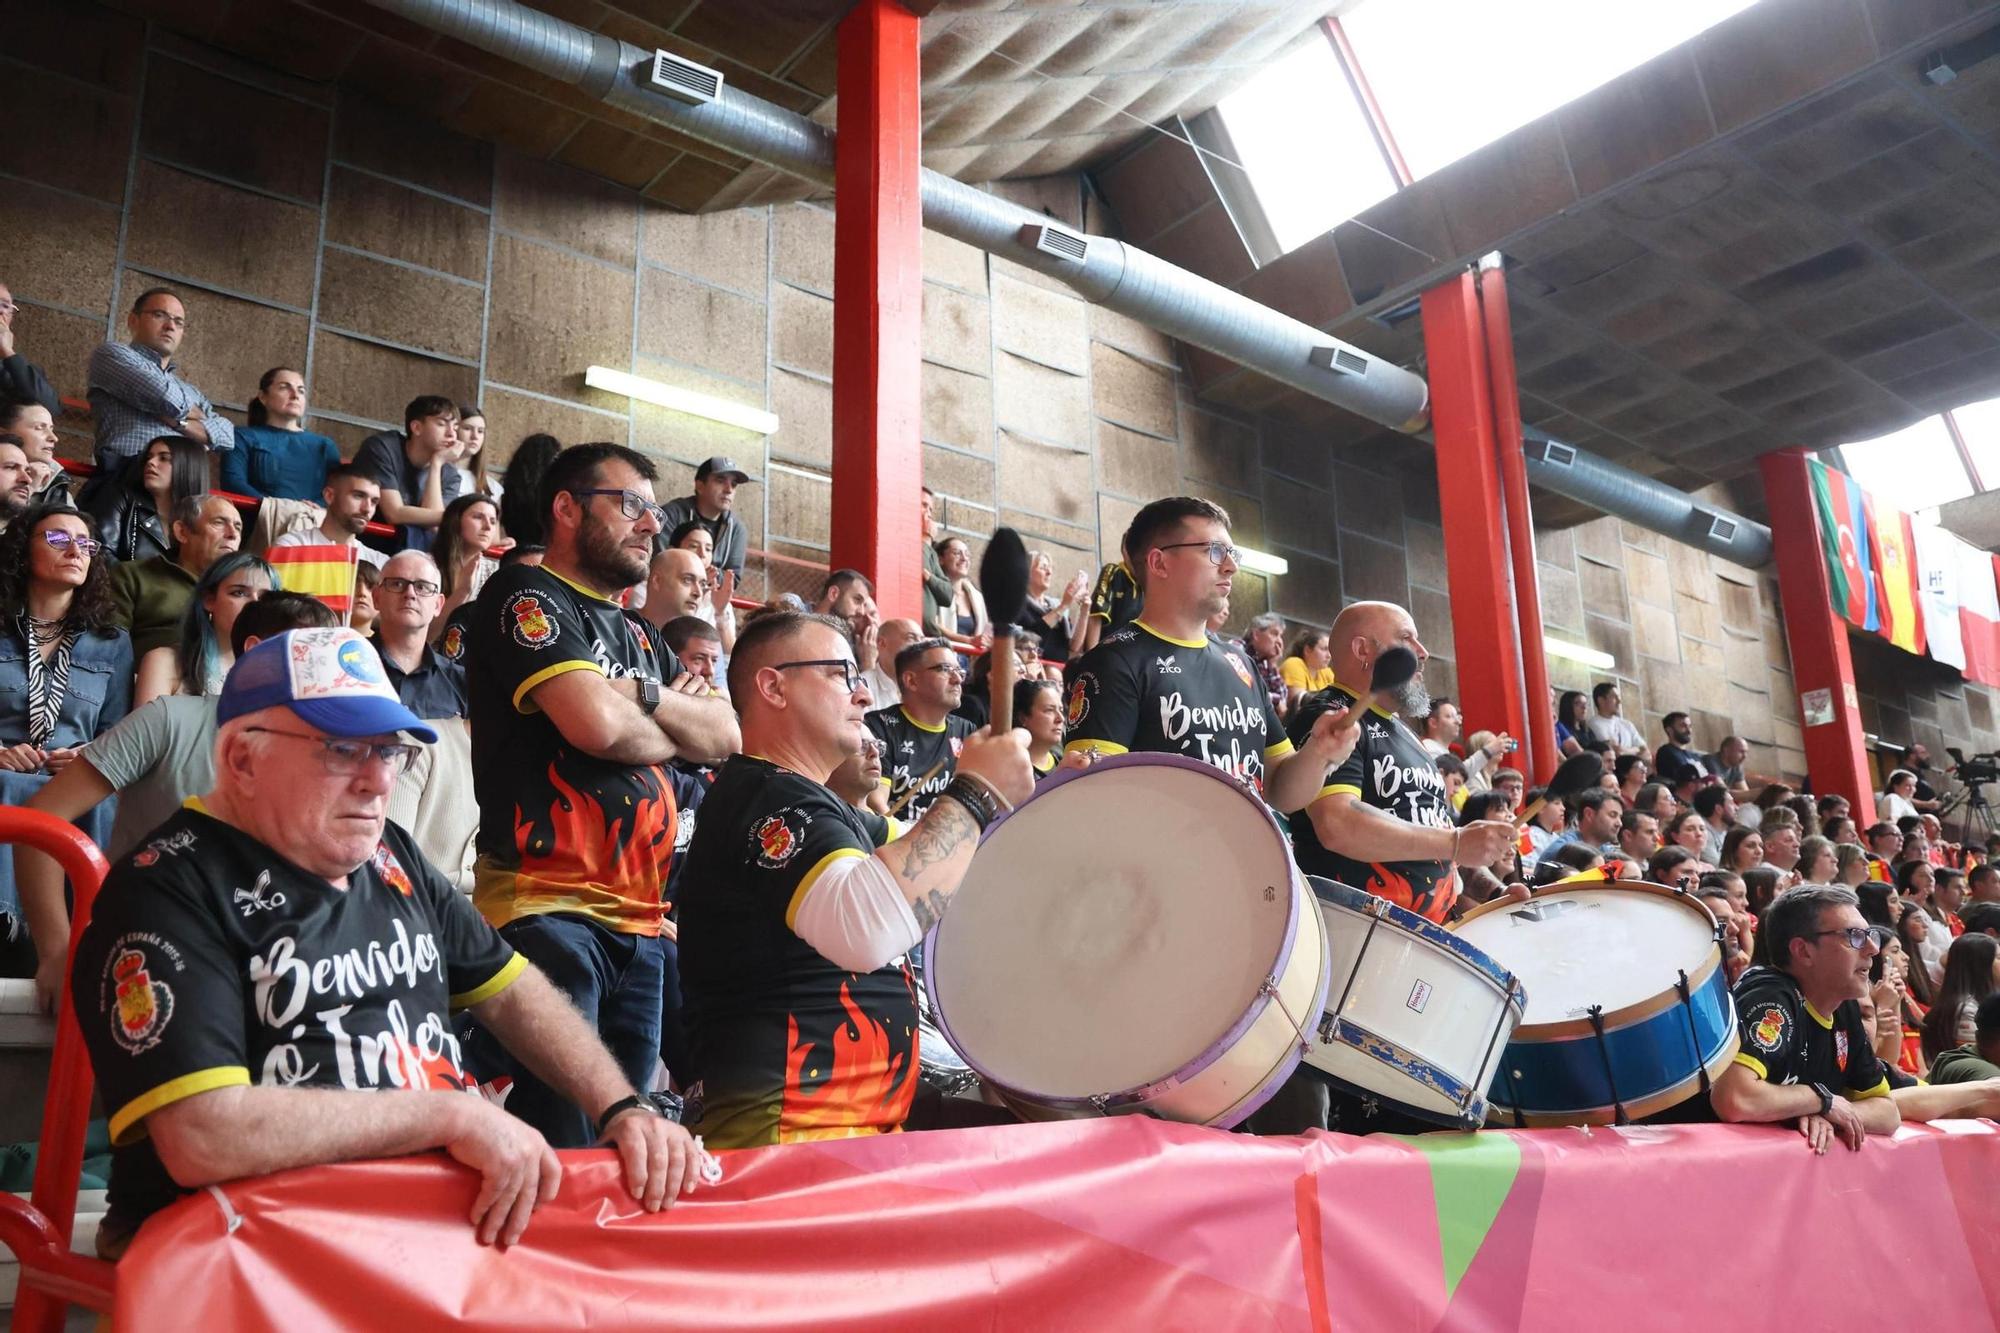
<point x="1836" y="537"/>
<point x="1471" y="1176"/>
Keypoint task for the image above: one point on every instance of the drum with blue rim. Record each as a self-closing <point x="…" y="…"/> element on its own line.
<point x="1630" y="1012"/>
<point x="1415" y="1016"/>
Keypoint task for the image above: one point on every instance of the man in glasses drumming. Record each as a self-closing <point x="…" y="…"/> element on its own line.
<point x="267" y="982"/>
<point x="576" y="709"/>
<point x="798" y="909"/>
<point x="1804" y="1057"/>
<point x="1162" y="684"/>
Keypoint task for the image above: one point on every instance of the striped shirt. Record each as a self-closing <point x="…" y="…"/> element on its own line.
<point x="135" y="398"/>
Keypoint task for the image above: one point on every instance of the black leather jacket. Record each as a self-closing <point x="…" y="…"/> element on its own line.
<point x="126" y="521"/>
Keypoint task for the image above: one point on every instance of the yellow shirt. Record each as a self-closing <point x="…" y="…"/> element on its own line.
<point x="1294" y="672"/>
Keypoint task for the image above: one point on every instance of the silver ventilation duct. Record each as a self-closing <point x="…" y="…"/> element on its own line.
<point x="695" y="101"/>
<point x="1602" y="484"/>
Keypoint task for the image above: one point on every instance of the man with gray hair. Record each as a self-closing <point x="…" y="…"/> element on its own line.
<point x="1804" y="1057"/>
<point x="407" y="602"/>
<point x="150" y="596"/>
<point x="21" y="379"/>
<point x="1265" y="640"/>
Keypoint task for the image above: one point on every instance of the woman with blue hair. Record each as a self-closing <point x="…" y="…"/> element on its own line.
<point x="203" y="658"/>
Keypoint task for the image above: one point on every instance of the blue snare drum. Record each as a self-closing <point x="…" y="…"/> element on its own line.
<point x="1629" y="1011"/>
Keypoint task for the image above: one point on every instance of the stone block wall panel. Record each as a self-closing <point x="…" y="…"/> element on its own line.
<point x="1037" y="400"/>
<point x="553" y="314"/>
<point x="802" y="330"/>
<point x="397" y="304"/>
<point x="222" y="236"/>
<point x="955" y="329"/>
<point x="700" y="325"/>
<point x="60" y="249"/>
<point x="396" y="221"/>
<point x="730" y="249"/>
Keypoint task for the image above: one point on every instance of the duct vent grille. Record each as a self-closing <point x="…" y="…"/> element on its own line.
<point x="1722" y="527"/>
<point x="1059" y="242"/>
<point x="1557" y="454"/>
<point x="1340" y="360"/>
<point x="683" y="80"/>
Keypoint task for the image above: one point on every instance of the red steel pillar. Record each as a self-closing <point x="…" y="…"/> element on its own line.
<point x="1475" y="537"/>
<point x="1541" y="757"/>
<point x="1822" y="667"/>
<point x="878" y="293"/>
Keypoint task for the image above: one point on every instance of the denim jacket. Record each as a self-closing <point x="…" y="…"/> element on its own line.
<point x="99" y="694"/>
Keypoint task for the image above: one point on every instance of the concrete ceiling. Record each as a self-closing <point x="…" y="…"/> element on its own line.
<point x="1776" y="234"/>
<point x="1012" y="88"/>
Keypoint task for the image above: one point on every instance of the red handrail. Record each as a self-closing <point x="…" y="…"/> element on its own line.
<point x="38" y="1228"/>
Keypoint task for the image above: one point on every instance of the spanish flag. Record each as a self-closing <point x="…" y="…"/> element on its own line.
<point x="325" y="572"/>
<point x="1902" y="606"/>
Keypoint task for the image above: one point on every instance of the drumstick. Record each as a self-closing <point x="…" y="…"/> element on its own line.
<point x="1579" y="772"/>
<point x="910" y="792"/>
<point x="1003" y="582"/>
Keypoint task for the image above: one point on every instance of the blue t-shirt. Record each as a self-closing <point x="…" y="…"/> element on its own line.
<point x="289" y="464"/>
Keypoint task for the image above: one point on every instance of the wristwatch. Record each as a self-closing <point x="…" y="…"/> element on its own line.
<point x="1825" y="1098"/>
<point x="649" y="696"/>
<point x="662" y="1104"/>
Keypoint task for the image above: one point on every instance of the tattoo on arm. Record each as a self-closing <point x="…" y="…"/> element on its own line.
<point x="929" y="909"/>
<point x="941" y="832"/>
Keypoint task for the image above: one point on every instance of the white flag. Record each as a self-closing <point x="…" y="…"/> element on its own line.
<point x="1938" y="561"/>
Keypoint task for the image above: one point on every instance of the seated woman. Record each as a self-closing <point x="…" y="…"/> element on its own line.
<point x="275" y="454"/>
<point x="1309" y="668"/>
<point x="471" y="524"/>
<point x="156" y="758"/>
<point x="474" y="478"/>
<point x="65" y="666"/>
<point x="1572" y="731"/>
<point x="203" y="657"/>
<point x="1038" y="710"/>
<point x="718" y="610"/>
<point x="133" y="511"/>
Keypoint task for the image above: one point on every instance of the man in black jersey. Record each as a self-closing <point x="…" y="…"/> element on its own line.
<point x="576" y="709"/>
<point x="1383" y="823"/>
<point x="798" y="909"/>
<point x="268" y="981"/>
<point x="1163" y="685"/>
<point x="921" y="736"/>
<point x="1804" y="1055"/>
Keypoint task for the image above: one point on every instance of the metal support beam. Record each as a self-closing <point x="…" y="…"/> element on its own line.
<point x="1541" y="756"/>
<point x="1482" y="614"/>
<point x="878" y="293"/>
<point x="1836" y="750"/>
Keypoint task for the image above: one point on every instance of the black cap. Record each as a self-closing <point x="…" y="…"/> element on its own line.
<point x="725" y="465"/>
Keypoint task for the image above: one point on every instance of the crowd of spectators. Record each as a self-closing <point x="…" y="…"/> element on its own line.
<point x="587" y="702"/>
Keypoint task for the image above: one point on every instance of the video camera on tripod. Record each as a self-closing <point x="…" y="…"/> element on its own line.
<point x="1980" y="768"/>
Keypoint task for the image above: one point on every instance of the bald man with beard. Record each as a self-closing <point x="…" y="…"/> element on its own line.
<point x="1382" y="822"/>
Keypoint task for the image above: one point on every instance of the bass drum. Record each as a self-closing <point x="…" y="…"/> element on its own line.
<point x="1629" y="1012"/>
<point x="1133" y="938"/>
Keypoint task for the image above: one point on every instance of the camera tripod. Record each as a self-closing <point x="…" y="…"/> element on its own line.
<point x="1974" y="811"/>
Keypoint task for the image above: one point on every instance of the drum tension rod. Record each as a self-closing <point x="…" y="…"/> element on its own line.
<point x="1694" y="1033"/>
<point x="1604" y="1053"/>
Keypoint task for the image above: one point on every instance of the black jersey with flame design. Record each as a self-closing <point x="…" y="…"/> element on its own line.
<point x="1391" y="771"/>
<point x="561" y="830"/>
<point x="787" y="1045"/>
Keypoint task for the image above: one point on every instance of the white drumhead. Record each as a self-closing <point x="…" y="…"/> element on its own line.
<point x="1112" y="929"/>
<point x="1574" y="948"/>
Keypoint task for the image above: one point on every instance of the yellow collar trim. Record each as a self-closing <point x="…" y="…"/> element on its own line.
<point x="587" y="592"/>
<point x="920" y="726"/>
<point x="1181" y="643"/>
<point x="1374" y="708"/>
<point x="1818" y="1017"/>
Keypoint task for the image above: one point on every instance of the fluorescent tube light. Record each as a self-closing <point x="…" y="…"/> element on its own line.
<point x="681" y="400"/>
<point x="1258" y="562"/>
<point x="1576" y="652"/>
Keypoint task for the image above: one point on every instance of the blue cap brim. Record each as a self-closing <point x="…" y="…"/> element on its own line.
<point x="363" y="717"/>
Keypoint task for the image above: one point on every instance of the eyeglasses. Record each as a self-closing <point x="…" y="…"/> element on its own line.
<point x="630" y="503"/>
<point x="421" y="587"/>
<point x="59" y="540"/>
<point x="849" y="676"/>
<point x="171" y="321"/>
<point x="1217" y="551"/>
<point x="1856" y="937"/>
<point x="951" y="668"/>
<point x="344" y="758"/>
<point x="871" y="747"/>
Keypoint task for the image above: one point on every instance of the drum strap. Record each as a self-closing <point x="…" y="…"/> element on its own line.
<point x="1604" y="1054"/>
<point x="1694" y="1033"/>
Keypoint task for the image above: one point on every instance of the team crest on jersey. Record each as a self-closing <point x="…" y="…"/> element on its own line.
<point x="391" y="870"/>
<point x="1840" y="1049"/>
<point x="532" y="627"/>
<point x="144" y="1006"/>
<point x="1242" y="671"/>
<point x="957" y="746"/>
<point x="453" y="644"/>
<point x="1078" y="707"/>
<point x="778" y="837"/>
<point x="1769" y="1033"/>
